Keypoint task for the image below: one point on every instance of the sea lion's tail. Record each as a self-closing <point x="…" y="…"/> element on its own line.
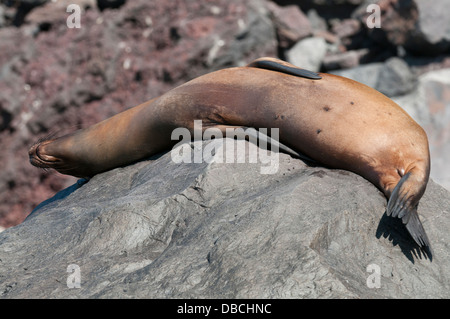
<point x="403" y="204"/>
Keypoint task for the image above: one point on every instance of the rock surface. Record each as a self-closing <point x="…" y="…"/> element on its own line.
<point x="308" y="53"/>
<point x="392" y="77"/>
<point x="290" y="23"/>
<point x="157" y="229"/>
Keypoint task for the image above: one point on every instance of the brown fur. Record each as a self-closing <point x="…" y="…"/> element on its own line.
<point x="335" y="121"/>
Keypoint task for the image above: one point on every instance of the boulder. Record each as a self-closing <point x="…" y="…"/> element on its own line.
<point x="291" y="24"/>
<point x="158" y="229"/>
<point x="392" y="77"/>
<point x="308" y="53"/>
<point x="343" y="60"/>
<point x="345" y="28"/>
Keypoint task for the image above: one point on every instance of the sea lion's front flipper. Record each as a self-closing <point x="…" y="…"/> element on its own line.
<point x="403" y="204"/>
<point x="283" y="67"/>
<point x="253" y="135"/>
<point x="274" y="143"/>
<point x="267" y="140"/>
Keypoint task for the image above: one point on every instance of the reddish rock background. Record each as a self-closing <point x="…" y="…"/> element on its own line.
<point x="54" y="79"/>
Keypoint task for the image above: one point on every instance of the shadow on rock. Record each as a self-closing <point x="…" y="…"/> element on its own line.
<point x="394" y="230"/>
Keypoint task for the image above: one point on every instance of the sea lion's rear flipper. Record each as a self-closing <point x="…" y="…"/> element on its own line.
<point x="284" y="67"/>
<point x="403" y="204"/>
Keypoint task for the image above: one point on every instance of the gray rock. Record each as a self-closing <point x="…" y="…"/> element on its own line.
<point x="395" y="78"/>
<point x="316" y="21"/>
<point x="290" y="22"/>
<point x="308" y="53"/>
<point x="254" y="34"/>
<point x="344" y="60"/>
<point x="157" y="229"/>
<point x="432" y="34"/>
<point x="345" y="28"/>
<point x="392" y="78"/>
<point x="366" y="74"/>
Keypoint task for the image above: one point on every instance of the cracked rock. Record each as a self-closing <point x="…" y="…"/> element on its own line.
<point x="158" y="229"/>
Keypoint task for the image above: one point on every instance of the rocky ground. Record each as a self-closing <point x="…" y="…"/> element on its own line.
<point x="54" y="79"/>
<point x="157" y="229"/>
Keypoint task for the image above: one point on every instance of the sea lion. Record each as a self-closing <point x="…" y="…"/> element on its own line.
<point x="328" y="119"/>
